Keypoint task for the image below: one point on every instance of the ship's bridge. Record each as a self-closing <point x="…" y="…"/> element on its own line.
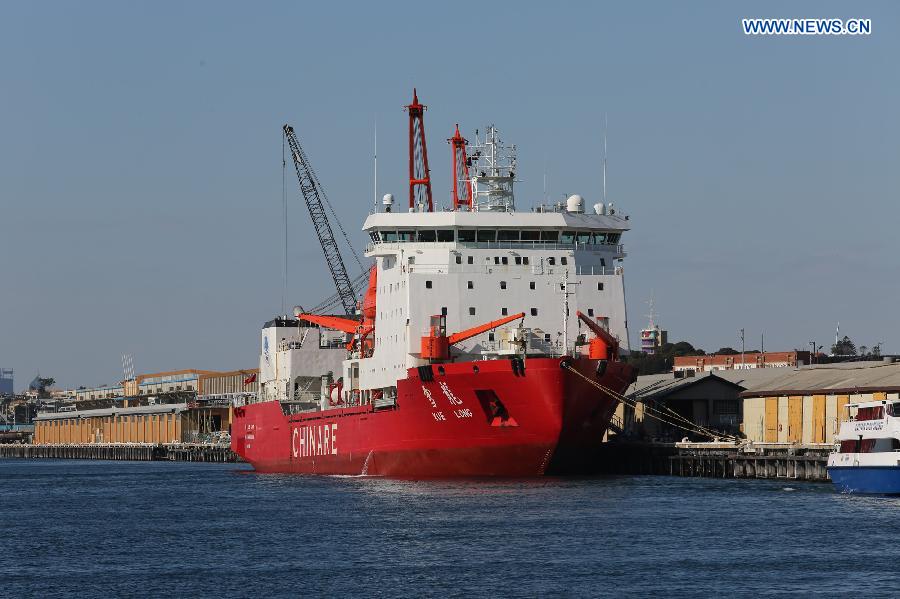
<point x="502" y="230"/>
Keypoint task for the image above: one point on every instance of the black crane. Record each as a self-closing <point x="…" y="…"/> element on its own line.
<point x="313" y="194"/>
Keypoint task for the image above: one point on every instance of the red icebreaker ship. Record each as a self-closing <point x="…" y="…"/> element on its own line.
<point x="463" y="357"/>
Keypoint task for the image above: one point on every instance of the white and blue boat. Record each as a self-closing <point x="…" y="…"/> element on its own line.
<point x="866" y="458"/>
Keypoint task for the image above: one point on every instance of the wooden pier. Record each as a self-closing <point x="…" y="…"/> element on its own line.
<point x="715" y="460"/>
<point x="145" y="452"/>
<point x="802" y="467"/>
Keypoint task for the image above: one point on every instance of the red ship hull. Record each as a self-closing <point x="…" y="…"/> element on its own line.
<point x="489" y="418"/>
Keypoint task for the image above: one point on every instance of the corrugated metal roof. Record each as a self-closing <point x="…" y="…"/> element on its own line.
<point x="830" y="378"/>
<point x="655" y="386"/>
<point x="158" y="409"/>
<point x="845" y="377"/>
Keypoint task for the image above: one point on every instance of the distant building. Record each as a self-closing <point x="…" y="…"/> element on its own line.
<point x="653" y="337"/>
<point x="713" y="362"/>
<point x="104" y="392"/>
<point x="192" y="380"/>
<point x="6" y="381"/>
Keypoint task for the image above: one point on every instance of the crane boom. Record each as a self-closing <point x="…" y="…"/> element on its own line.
<point x="309" y="186"/>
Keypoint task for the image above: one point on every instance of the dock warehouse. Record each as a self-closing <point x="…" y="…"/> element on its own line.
<point x="155" y="424"/>
<point x="704" y="398"/>
<point x="806" y="405"/>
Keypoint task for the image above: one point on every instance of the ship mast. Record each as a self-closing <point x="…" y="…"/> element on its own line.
<point x="493" y="173"/>
<point x="419" y="174"/>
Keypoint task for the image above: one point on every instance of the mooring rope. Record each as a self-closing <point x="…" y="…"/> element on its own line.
<point x="652" y="412"/>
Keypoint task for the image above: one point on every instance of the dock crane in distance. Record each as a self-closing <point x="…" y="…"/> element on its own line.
<point x="312" y="194"/>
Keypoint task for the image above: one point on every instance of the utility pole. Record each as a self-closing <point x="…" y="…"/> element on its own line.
<point x="812" y="355"/>
<point x="742" y="349"/>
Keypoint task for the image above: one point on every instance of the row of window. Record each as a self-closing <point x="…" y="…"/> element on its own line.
<point x="518" y="260"/>
<point x="471" y="285"/>
<point x="505" y="311"/>
<point x="495" y="235"/>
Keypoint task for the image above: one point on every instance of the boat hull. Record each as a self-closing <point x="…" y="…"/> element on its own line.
<point x="875" y="480"/>
<point x="489" y="418"/>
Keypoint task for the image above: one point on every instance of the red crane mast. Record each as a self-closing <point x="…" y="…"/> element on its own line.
<point x="462" y="186"/>
<point x="419" y="174"/>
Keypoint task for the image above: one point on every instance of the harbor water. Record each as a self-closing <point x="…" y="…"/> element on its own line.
<point x="90" y="528"/>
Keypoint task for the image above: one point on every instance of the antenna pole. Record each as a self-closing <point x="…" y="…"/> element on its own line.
<point x="742" y="349"/>
<point x="605" y="131"/>
<point x="376" y="165"/>
<point x="284" y="281"/>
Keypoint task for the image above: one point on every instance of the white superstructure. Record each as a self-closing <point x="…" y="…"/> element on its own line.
<point x="869" y="436"/>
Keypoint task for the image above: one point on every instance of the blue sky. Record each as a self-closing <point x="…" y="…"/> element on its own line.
<point x="140" y="161"/>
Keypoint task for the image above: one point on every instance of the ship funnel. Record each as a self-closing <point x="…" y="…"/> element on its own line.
<point x="575" y="203"/>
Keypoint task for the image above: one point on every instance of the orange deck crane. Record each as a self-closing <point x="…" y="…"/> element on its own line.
<point x="436" y="345"/>
<point x="602" y="347"/>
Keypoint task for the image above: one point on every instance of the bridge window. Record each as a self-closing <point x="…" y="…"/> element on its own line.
<point x="507" y="235"/>
<point x="466" y="235"/>
<point x="599" y="238"/>
<point x="550" y="236"/>
<point x="487" y="235"/>
<point x="531" y="235"/>
<point x="445" y="235"/>
<point x="873" y="413"/>
<point x="389" y="236"/>
<point x="613" y="237"/>
<point x="406" y="235"/>
<point x="427" y="235"/>
<point x="567" y="237"/>
<point x="583" y="237"/>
